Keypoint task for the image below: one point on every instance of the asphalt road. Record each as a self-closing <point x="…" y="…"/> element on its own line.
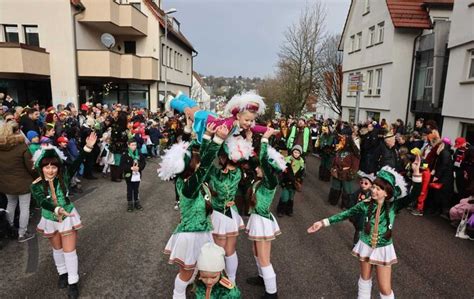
<point x="120" y="253"/>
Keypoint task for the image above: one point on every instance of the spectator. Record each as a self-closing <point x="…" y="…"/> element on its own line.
<point x="368" y="145"/>
<point x="299" y="135"/>
<point x="9" y="102"/>
<point x="16" y="175"/>
<point x="29" y="121"/>
<point x="460" y="145"/>
<point x="34" y="139"/>
<point x="387" y="154"/>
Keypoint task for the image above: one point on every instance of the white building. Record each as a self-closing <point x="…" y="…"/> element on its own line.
<point x="379" y="41"/>
<point x="199" y="93"/>
<point x="458" y="106"/>
<point x="51" y="51"/>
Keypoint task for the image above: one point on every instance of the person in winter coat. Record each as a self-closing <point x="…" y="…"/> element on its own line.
<point x="344" y="171"/>
<point x="16" y="175"/>
<point x="461" y="147"/>
<point x="325" y="146"/>
<point x="132" y="164"/>
<point x="368" y="144"/>
<point x="387" y="154"/>
<point x="291" y="181"/>
<point x="299" y="135"/>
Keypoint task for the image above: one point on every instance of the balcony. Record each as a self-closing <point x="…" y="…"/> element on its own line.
<point x="117" y="19"/>
<point x="19" y="58"/>
<point x="103" y="63"/>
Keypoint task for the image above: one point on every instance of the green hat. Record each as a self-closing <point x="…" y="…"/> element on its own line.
<point x="395" y="179"/>
<point x="48" y="151"/>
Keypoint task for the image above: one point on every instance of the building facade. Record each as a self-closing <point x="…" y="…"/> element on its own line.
<point x="199" y="92"/>
<point x="458" y="106"/>
<point x="56" y="52"/>
<point x="379" y="42"/>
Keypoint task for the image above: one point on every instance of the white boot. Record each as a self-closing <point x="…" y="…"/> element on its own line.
<point x="365" y="288"/>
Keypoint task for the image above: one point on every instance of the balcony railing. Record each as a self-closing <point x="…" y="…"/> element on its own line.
<point x="103" y="63"/>
<point x="112" y="17"/>
<point x="23" y="59"/>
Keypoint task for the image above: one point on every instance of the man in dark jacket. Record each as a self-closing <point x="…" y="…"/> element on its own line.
<point x="387" y="154"/>
<point x="368" y="145"/>
<point x="29" y="121"/>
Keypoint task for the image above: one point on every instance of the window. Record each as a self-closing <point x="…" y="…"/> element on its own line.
<point x="352" y="114"/>
<point x="352" y="49"/>
<point x="130" y="47"/>
<point x="370" y="82"/>
<point x="11" y="34"/>
<point x="366" y="7"/>
<point x="380" y="30"/>
<point x="373" y="115"/>
<point x="163" y="54"/>
<point x="170" y="57"/>
<point x="470" y="75"/>
<point x="358" y="41"/>
<point x="468" y="132"/>
<point x="378" y="75"/>
<point x="137" y="5"/>
<point x="31" y="35"/>
<point x="371" y="37"/>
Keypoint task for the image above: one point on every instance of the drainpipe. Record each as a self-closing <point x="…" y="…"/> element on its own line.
<point x="412" y="71"/>
<point x="80" y="9"/>
<point x="192" y="69"/>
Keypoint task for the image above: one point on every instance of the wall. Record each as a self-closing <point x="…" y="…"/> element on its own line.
<point x="54" y="20"/>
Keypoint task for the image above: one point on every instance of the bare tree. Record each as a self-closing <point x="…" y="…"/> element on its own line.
<point x="271" y="90"/>
<point x="299" y="63"/>
<point x="330" y="92"/>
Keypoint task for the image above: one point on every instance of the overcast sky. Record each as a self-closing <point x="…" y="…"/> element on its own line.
<point x="242" y="37"/>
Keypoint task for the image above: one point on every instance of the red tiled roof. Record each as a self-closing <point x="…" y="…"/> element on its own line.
<point x="409" y="14"/>
<point x="159" y="14"/>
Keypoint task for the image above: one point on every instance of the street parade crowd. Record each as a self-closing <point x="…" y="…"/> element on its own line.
<point x="226" y="170"/>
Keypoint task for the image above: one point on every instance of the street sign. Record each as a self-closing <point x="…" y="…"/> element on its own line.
<point x="277" y="108"/>
<point x="355" y="83"/>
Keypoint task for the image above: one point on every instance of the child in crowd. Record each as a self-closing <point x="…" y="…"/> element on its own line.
<point x="132" y="165"/>
<point x="105" y="156"/>
<point x="48" y="134"/>
<point x="291" y="181"/>
<point x="34" y="139"/>
<point x="211" y="280"/>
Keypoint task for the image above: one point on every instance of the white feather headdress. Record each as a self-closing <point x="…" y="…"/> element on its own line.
<point x="241" y="101"/>
<point x="398" y="181"/>
<point x="173" y="161"/>
<point x="238" y="148"/>
<point x="40" y="153"/>
<point x="276" y="159"/>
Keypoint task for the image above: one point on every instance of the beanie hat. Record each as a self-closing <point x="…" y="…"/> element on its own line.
<point x="31" y="134"/>
<point x="297" y="148"/>
<point x="62" y="139"/>
<point x="211" y="258"/>
<point x="447" y="141"/>
<point x="460" y="141"/>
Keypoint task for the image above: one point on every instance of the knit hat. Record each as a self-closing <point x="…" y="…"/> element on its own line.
<point x="297" y="147"/>
<point x="211" y="258"/>
<point x="396" y="180"/>
<point x="367" y="176"/>
<point x="62" y="139"/>
<point x="447" y="141"/>
<point x="460" y="141"/>
<point x="31" y="134"/>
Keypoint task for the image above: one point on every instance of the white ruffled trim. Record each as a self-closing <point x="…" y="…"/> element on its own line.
<point x="242" y="100"/>
<point x="173" y="161"/>
<point x="239" y="148"/>
<point x="276" y="157"/>
<point x="44" y="148"/>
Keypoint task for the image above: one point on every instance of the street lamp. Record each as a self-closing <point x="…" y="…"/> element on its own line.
<point x="168" y="12"/>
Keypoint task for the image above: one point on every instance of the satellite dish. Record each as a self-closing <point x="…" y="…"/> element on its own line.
<point x="107" y="40"/>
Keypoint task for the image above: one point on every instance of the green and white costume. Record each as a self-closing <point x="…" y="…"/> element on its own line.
<point x="195" y="227"/>
<point x="374" y="247"/>
<point x="262" y="225"/>
<point x="219" y="291"/>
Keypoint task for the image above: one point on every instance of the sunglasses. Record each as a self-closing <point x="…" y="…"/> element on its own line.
<point x="365" y="183"/>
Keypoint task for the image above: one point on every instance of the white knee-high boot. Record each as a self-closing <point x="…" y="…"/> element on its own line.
<point x="179" y="291"/>
<point x="391" y="296"/>
<point x="269" y="277"/>
<point x="72" y="265"/>
<point x="365" y="288"/>
<point x="59" y="261"/>
<point x="231" y="265"/>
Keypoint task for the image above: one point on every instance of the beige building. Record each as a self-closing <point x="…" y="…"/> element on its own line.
<point x="54" y="52"/>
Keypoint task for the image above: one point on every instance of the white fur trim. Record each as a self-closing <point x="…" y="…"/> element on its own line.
<point x="239" y="148"/>
<point x="264" y="140"/>
<point x="326" y="222"/>
<point x="399" y="181"/>
<point x="207" y="137"/>
<point x="218" y="140"/>
<point x="278" y="158"/>
<point x="42" y="149"/>
<point x="56" y="210"/>
<point x="242" y="100"/>
<point x="173" y="161"/>
<point x="188" y="130"/>
<point x="87" y="149"/>
<point x="416" y="179"/>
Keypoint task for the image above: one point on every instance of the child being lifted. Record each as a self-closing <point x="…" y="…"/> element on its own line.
<point x="243" y="109"/>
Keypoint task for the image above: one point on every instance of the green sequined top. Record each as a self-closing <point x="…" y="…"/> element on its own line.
<point x="265" y="191"/>
<point x="225" y="185"/>
<point x="46" y="201"/>
<point x="362" y="209"/>
<point x="192" y="202"/>
<point x="218" y="291"/>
